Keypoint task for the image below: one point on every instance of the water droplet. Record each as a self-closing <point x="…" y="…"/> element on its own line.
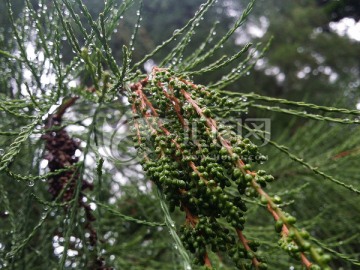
<point x="121" y="17"/>
<point x="31" y="183"/>
<point x="214" y="33"/>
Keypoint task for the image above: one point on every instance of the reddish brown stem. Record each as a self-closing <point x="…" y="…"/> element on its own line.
<point x="176" y="105"/>
<point x="305" y="261"/>
<point x="346" y="153"/>
<point x="63" y="107"/>
<point x="277" y="215"/>
<point x="207" y="261"/>
<point x="244" y="242"/>
<point x="190" y="218"/>
<point x="284" y="229"/>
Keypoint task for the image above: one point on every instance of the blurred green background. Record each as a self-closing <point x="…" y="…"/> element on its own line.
<point x="314" y="57"/>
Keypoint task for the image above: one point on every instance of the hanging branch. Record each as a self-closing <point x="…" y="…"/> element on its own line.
<point x="194" y="175"/>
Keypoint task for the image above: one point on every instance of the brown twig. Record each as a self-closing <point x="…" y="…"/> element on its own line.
<point x="244" y="242"/>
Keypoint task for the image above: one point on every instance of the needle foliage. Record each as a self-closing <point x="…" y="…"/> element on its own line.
<point x="114" y="156"/>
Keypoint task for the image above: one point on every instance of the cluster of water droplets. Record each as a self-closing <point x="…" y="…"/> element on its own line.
<point x="136" y="28"/>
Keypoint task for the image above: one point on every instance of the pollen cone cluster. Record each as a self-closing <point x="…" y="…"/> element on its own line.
<point x="194" y="160"/>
